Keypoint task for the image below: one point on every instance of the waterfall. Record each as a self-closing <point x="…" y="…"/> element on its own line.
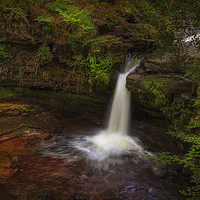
<point x="112" y="145"/>
<point x="114" y="140"/>
<point x="119" y="115"/>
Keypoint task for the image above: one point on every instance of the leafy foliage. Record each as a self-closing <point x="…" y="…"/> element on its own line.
<point x="76" y="25"/>
<point x="188" y="133"/>
<point x="5" y="93"/>
<point x="190" y="161"/>
<point x="3" y="52"/>
<point x="154" y="92"/>
<point x="95" y="63"/>
<point x="193" y="71"/>
<point x="186" y="128"/>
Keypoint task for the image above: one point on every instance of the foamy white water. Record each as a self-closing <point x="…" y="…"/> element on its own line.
<point x="119" y="115"/>
<point x="120" y="110"/>
<point x="112" y="145"/>
<point x="108" y="146"/>
<point x="114" y="141"/>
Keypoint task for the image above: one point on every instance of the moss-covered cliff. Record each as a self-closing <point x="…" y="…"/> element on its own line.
<point x="174" y="96"/>
<point x="68" y="41"/>
<point x="84" y="41"/>
<point x="78" y="45"/>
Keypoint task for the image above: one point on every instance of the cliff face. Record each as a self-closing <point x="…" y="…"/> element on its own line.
<point x="63" y="44"/>
<point x="78" y="47"/>
<point x="21" y="70"/>
<point x="161" y="93"/>
<point x="25" y="68"/>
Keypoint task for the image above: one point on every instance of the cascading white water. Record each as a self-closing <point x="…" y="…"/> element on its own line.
<point x="110" y="145"/>
<point x="115" y="140"/>
<point x="119" y="115"/>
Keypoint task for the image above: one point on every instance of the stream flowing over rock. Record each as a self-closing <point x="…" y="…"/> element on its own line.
<point x="59" y="63"/>
<point x="36" y="152"/>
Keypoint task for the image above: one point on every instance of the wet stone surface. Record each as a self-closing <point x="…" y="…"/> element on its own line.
<point x="28" y="172"/>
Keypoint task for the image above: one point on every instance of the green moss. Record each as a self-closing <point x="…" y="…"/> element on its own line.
<point x="6" y="93"/>
<point x="22" y="107"/>
<point x="185" y="126"/>
<point x="3" y="52"/>
<point x="56" y="95"/>
<point x="198" y="92"/>
<point x="154" y="92"/>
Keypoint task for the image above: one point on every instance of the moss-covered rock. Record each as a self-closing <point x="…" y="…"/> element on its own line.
<point x="84" y="41"/>
<point x="159" y="91"/>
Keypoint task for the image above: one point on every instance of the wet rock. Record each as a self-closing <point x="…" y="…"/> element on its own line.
<point x="92" y="118"/>
<point x="152" y="191"/>
<point x="26" y="77"/>
<point x="13" y="113"/>
<point x="175" y="85"/>
<point x="154" y="90"/>
<point x="19" y="119"/>
<point x="157" y="194"/>
<point x="4" y="156"/>
<point x="5" y="193"/>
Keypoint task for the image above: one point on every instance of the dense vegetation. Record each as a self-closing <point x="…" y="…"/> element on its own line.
<point x="81" y="27"/>
<point x="87" y="31"/>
